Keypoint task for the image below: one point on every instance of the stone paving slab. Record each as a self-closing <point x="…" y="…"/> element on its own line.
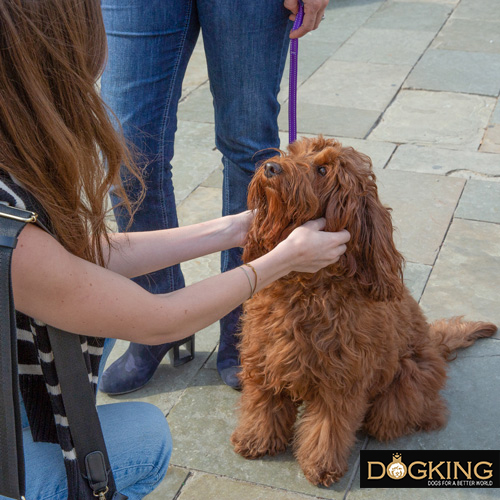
<point x="379" y="152"/>
<point x="480" y="201"/>
<point x="410" y="16"/>
<point x="201" y="486"/>
<point x="357" y="85"/>
<point x="457" y="71"/>
<point x="443" y="119"/>
<point x="423" y="206"/>
<point x="482" y="10"/>
<point x="495" y="117"/>
<point x="423" y="494"/>
<point x="483" y="349"/>
<point x="211" y="363"/>
<point x="214" y="180"/>
<point x="465" y="279"/>
<point x="204" y="203"/>
<point x="170" y="486"/>
<point x="312" y="55"/>
<point x="343" y="18"/>
<point x="203" y="421"/>
<point x="415" y="278"/>
<point x="195" y="157"/>
<point x="434" y="160"/>
<point x="385" y="46"/>
<point x="466" y="275"/>
<point x="196" y="72"/>
<point x="448" y="2"/>
<point x="491" y="139"/>
<point x="198" y="107"/>
<point x="330" y="120"/>
<point x="469" y="35"/>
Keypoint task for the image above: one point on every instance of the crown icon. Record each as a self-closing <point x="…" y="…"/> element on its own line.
<point x="396" y="457"/>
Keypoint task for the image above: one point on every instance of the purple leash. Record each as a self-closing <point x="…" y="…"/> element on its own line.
<point x="292" y="93"/>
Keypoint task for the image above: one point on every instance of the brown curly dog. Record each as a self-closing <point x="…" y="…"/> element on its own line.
<point x="349" y="341"/>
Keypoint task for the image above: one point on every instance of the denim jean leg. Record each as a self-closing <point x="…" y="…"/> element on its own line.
<point x="246" y="44"/>
<point x="149" y="45"/>
<point x="139" y="446"/>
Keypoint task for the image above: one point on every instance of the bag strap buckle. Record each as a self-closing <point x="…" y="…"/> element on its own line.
<point x="18" y="214"/>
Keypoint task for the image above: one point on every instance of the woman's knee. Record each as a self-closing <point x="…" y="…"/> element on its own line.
<point x="161" y="434"/>
<point x="137" y="437"/>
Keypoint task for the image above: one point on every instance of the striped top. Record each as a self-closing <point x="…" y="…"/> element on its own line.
<point x="38" y="380"/>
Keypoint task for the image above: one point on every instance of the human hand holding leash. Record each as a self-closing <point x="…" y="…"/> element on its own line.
<point x="314" y="11"/>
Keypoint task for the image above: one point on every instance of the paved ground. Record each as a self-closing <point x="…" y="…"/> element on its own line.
<point x="415" y="85"/>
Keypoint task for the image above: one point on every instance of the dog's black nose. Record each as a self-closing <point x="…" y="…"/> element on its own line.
<point x="271" y="169"/>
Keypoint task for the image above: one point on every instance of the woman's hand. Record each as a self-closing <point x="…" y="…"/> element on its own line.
<point x="314" y="11"/>
<point x="311" y="249"/>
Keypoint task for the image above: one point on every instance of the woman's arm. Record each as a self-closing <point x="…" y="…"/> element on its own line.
<point x="135" y="254"/>
<point x="55" y="287"/>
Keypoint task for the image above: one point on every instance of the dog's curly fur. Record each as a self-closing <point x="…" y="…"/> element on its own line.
<point x="349" y="341"/>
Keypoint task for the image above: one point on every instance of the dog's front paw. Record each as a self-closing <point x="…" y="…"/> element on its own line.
<point x="324" y="476"/>
<point x="255" y="446"/>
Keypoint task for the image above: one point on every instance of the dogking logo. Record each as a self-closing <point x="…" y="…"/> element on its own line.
<point x="430" y="469"/>
<point x="396" y="469"/>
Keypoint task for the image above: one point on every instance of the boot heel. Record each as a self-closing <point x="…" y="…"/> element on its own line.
<point x="175" y="354"/>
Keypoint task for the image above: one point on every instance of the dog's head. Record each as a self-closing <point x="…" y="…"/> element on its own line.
<point x="320" y="178"/>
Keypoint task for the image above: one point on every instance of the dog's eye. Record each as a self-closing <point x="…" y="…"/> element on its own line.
<point x="322" y="170"/>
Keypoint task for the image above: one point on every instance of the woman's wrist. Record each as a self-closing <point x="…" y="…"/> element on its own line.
<point x="237" y="227"/>
<point x="227" y="232"/>
<point x="272" y="266"/>
<point x="287" y="254"/>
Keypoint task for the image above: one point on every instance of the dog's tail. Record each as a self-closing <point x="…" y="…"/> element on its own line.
<point x="452" y="334"/>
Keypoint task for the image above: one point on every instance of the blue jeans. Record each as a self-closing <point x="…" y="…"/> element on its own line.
<point x="150" y="43"/>
<point x="137" y="440"/>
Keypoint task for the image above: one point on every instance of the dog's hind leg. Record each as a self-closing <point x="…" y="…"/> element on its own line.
<point x="412" y="401"/>
<point x="266" y="422"/>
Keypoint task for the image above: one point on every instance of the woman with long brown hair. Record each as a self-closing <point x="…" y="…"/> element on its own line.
<point x="59" y="157"/>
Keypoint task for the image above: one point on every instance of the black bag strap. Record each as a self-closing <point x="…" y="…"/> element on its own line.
<point x="12" y="482"/>
<point x="79" y="403"/>
<point x="77" y="394"/>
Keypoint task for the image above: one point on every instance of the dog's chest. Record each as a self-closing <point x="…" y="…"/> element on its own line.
<point x="290" y="335"/>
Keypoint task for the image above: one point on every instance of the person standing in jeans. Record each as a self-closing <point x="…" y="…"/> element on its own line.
<point x="150" y="43"/>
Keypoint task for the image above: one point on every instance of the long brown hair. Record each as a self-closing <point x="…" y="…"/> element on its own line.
<point x="56" y="137"/>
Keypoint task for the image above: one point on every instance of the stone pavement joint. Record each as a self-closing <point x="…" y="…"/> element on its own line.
<point x="415" y="85"/>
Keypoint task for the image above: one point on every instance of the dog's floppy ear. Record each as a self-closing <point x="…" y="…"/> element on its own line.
<point x="371" y="257"/>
